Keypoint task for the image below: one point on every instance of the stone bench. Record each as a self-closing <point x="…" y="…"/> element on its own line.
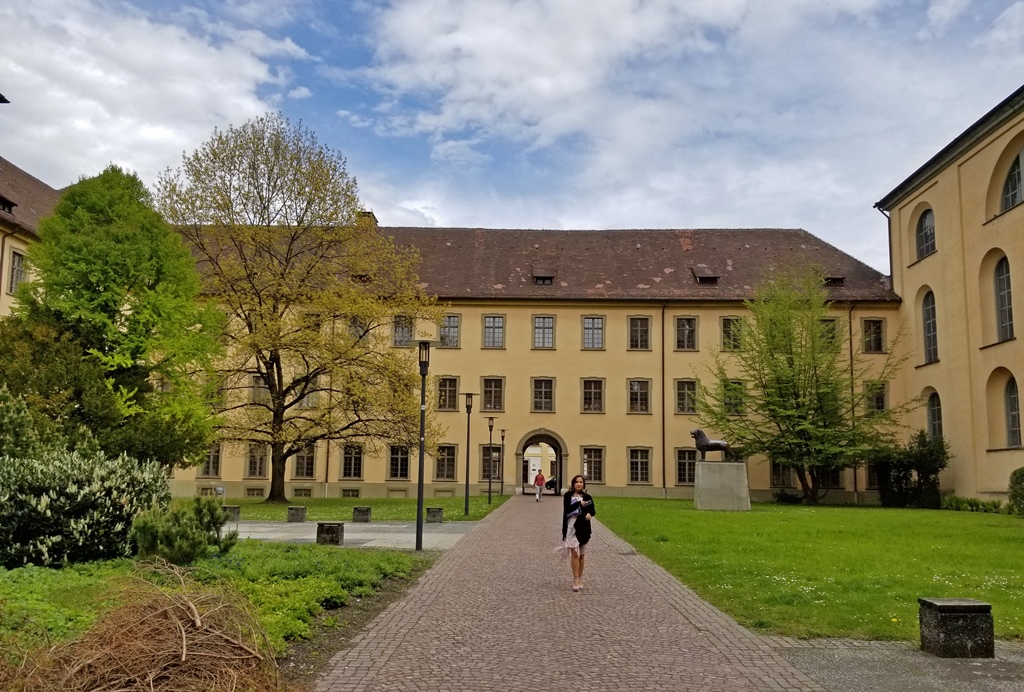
<point x="330" y="532"/>
<point x="361" y="515"/>
<point x="956" y="627"/>
<point x="435" y="515"/>
<point x="296" y="513"/>
<point x="232" y="513"/>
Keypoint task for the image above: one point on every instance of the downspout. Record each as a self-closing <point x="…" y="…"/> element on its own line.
<point x="853" y="413"/>
<point x="664" y="402"/>
<point x="888" y="228"/>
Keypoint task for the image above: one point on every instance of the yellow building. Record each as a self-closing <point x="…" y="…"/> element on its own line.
<point x="24" y="200"/>
<point x="956" y="230"/>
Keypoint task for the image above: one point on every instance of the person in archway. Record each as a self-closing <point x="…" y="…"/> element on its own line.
<point x="538" y="483"/>
<point x="577" y="510"/>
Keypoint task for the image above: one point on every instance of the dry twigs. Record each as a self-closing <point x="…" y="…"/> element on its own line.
<point x="180" y="637"/>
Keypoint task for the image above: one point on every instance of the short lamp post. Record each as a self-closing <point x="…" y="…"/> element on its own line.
<point x="501" y="465"/>
<point x="469" y="410"/>
<point x="424" y="365"/>
<point x="490" y="455"/>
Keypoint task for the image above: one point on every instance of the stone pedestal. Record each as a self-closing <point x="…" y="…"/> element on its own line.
<point x="330" y="532"/>
<point x="957" y="627"/>
<point x="435" y="515"/>
<point x="233" y="513"/>
<point x="721" y="485"/>
<point x="361" y="515"/>
<point x="296" y="513"/>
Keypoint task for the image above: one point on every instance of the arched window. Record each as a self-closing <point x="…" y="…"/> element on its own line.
<point x="1013" y="194"/>
<point x="926" y="234"/>
<point x="934" y="415"/>
<point x="1012" y="414"/>
<point x="1004" y="305"/>
<point x="931" y="334"/>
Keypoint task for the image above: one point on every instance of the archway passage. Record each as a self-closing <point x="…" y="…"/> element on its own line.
<point x="541" y="451"/>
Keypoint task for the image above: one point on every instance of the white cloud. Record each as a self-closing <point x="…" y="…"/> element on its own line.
<point x="300" y="93"/>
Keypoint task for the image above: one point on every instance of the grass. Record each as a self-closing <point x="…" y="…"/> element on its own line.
<point x="383" y="509"/>
<point x="831" y="571"/>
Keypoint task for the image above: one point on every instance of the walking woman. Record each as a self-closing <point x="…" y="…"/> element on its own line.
<point x="577" y="509"/>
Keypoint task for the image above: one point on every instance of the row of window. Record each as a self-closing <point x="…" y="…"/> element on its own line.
<point x="1003" y="308"/>
<point x="594" y="328"/>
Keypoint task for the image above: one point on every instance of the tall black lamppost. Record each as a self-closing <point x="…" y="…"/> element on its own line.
<point x="501" y="464"/>
<point x="490" y="455"/>
<point x="469" y="410"/>
<point x="424" y="365"/>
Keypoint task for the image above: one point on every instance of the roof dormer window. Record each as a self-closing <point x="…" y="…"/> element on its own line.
<point x="704" y="275"/>
<point x="834" y="281"/>
<point x="6" y="205"/>
<point x="543" y="276"/>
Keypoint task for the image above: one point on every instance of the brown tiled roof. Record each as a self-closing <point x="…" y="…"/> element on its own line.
<point x="670" y="264"/>
<point x="32" y="198"/>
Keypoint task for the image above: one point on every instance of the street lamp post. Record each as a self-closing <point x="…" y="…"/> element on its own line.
<point x="469" y="410"/>
<point x="501" y="464"/>
<point x="490" y="455"/>
<point x="424" y="365"/>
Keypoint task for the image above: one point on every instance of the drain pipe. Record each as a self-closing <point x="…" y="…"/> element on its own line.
<point x="664" y="400"/>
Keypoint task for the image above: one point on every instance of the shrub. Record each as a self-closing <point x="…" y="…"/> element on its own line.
<point x="17" y="435"/>
<point x="184" y="534"/>
<point x="1016" y="492"/>
<point x="971" y="504"/>
<point x="66" y="507"/>
<point x="908" y="476"/>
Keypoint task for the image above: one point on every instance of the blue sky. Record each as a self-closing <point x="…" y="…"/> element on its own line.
<point x="529" y="113"/>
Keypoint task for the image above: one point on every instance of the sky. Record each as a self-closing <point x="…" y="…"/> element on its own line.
<point x="554" y="114"/>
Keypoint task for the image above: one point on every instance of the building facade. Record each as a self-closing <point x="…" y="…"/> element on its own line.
<point x="24" y="200"/>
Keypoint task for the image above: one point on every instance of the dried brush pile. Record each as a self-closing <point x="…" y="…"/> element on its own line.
<point x="168" y="634"/>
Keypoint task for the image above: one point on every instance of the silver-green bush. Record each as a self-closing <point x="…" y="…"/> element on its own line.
<point x="66" y="507"/>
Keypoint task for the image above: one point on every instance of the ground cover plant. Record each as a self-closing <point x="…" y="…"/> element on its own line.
<point x="383" y="509"/>
<point x="827" y="571"/>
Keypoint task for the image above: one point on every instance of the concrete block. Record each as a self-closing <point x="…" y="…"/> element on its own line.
<point x="435" y="515"/>
<point x="296" y="513"/>
<point x="957" y="627"/>
<point x="721" y="485"/>
<point x="361" y="515"/>
<point x="330" y="532"/>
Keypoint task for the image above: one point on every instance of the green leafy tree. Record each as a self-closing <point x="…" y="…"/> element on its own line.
<point x="793" y="390"/>
<point x="109" y="334"/>
<point x="908" y="474"/>
<point x="18" y="439"/>
<point x="310" y="286"/>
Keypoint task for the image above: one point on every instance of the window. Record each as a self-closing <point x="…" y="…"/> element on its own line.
<point x="211" y="467"/>
<point x="686" y="396"/>
<point x="444" y="464"/>
<point x="494" y="331"/>
<point x="260" y="393"/>
<point x="782" y="475"/>
<point x="934" y="415"/>
<point x="543" y="332"/>
<point x="640" y="333"/>
<point x="639" y="466"/>
<point x="1004" y="306"/>
<point x="1012" y="414"/>
<point x="492" y="454"/>
<point x="447" y="394"/>
<point x="494" y="394"/>
<point x="398" y="463"/>
<point x="593" y="333"/>
<point x="302" y="492"/>
<point x="830" y="478"/>
<point x="593" y="464"/>
<point x="734" y="394"/>
<point x="305" y="462"/>
<point x="931" y="335"/>
<point x="402" y="331"/>
<point x="732" y="328"/>
<point x="350" y="492"/>
<point x="926" y="234"/>
<point x="543" y="280"/>
<point x="1012" y="191"/>
<point x="357" y="328"/>
<point x="543" y="394"/>
<point x="874" y="336"/>
<point x="352" y="462"/>
<point x="639" y="396"/>
<point x="872" y="481"/>
<point x="830" y="331"/>
<point x="593" y="396"/>
<point x="257" y="466"/>
<point x="875" y="399"/>
<point x="311" y="397"/>
<point x="686" y="333"/>
<point x="449" y="332"/>
<point x="17" y="271"/>
<point x="686" y="466"/>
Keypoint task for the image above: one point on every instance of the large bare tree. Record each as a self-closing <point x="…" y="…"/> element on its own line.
<point x="311" y="289"/>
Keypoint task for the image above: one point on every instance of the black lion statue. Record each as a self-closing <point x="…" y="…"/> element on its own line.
<point x="704" y="444"/>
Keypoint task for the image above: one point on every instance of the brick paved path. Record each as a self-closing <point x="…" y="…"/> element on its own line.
<point x="497" y="612"/>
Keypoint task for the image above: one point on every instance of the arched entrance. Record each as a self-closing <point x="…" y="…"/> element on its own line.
<point x="544" y="450"/>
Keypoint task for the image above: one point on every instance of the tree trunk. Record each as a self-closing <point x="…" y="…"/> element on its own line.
<point x="278" y="463"/>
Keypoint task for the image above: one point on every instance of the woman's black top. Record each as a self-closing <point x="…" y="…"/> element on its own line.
<point x="568" y="507"/>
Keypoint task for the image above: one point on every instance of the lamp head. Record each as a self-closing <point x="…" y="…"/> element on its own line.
<point x="490" y="423"/>
<point x="469" y="401"/>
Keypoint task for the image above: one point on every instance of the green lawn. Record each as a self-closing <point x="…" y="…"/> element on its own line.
<point x="831" y="571"/>
<point x="383" y="509"/>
